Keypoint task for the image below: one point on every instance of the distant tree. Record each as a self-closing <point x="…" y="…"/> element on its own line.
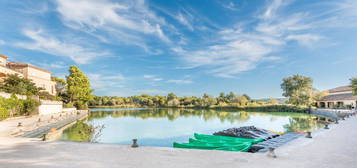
<point x="221" y="98"/>
<point x="246" y="96"/>
<point x="230" y="97"/>
<point x="272" y="101"/>
<point x="241" y="100"/>
<point x="78" y="88"/>
<point x="298" y="89"/>
<point x="18" y="85"/>
<point x="208" y="100"/>
<point x="171" y="96"/>
<point x="318" y="95"/>
<point x="354" y="85"/>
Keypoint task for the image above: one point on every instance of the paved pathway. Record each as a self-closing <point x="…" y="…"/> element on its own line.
<point x="332" y="148"/>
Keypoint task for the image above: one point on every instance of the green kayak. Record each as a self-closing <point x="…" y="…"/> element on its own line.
<point x="240" y="147"/>
<point x="217" y="143"/>
<point x="226" y="139"/>
<point x="234" y="148"/>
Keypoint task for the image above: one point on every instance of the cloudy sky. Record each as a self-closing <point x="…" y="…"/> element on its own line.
<point x="187" y="47"/>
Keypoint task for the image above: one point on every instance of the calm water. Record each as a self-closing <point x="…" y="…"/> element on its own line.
<point x="161" y="127"/>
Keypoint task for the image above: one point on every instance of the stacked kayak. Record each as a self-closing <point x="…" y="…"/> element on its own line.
<point x="213" y="142"/>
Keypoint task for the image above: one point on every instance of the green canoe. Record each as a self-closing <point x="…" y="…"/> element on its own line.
<point x="217" y="143"/>
<point x="241" y="147"/>
<point x="234" y="148"/>
<point x="226" y="139"/>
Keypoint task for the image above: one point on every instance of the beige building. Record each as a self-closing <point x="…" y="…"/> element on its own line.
<point x="338" y="98"/>
<point x="39" y="76"/>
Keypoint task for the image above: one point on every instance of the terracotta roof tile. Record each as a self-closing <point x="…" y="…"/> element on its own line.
<point x="3" y="56"/>
<point x="340" y="89"/>
<point x="347" y="96"/>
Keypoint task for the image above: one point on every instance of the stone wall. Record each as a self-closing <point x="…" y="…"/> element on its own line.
<point x="50" y="107"/>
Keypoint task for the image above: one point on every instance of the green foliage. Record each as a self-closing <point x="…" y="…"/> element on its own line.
<point x="18" y="85"/>
<point x="354" y="85"/>
<point x="47" y="96"/>
<point x="298" y="89"/>
<point x="16" y="107"/>
<point x="78" y="88"/>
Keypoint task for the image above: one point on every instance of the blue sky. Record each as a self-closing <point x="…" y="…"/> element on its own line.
<point x="187" y="47"/>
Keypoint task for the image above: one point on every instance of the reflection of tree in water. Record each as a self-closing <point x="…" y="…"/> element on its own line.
<point x="83" y="132"/>
<point x="302" y="124"/>
<point x="174" y="113"/>
<point x="298" y="121"/>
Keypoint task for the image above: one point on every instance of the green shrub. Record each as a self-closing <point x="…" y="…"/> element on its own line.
<point x="30" y="106"/>
<point x="14" y="106"/>
<point x="4" y="113"/>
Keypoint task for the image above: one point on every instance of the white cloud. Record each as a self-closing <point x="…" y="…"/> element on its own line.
<point x="180" y="81"/>
<point x="56" y="65"/>
<point x="305" y="39"/>
<point x="2" y="42"/>
<point x="184" y="20"/>
<point x="271" y="9"/>
<point x="127" y="21"/>
<point x="102" y="82"/>
<point x="230" y="6"/>
<point x="47" y="43"/>
<point x="243" y="47"/>
<point x="152" y="77"/>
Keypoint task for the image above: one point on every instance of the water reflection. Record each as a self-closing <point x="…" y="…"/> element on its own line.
<point x="160" y="127"/>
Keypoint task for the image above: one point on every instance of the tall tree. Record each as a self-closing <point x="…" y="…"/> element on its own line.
<point x="298" y="89"/>
<point x="18" y="85"/>
<point x="354" y="85"/>
<point x="78" y="88"/>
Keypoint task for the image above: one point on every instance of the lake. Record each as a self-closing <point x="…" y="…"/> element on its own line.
<point x="161" y="127"/>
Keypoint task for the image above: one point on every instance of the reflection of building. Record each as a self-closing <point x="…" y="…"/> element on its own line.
<point x="338" y="97"/>
<point x="40" y="77"/>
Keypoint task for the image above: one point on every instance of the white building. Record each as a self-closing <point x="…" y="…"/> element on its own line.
<point x="338" y="98"/>
<point x="39" y="76"/>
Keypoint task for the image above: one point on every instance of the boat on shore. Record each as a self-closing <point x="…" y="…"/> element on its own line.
<point x="217" y="138"/>
<point x="243" y="147"/>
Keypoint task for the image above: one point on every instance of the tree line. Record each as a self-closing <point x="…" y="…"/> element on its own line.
<point x="172" y="100"/>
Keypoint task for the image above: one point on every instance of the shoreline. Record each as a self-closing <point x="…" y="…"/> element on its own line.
<point x="334" y="147"/>
<point x="32" y="126"/>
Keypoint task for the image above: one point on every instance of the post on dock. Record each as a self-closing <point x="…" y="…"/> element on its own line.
<point x="308" y="135"/>
<point x="19" y="124"/>
<point x="271" y="152"/>
<point x="336" y="121"/>
<point x="326" y="126"/>
<point x="135" y="143"/>
<point x="44" y="138"/>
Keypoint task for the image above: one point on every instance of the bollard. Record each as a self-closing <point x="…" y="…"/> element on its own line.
<point x="44" y="137"/>
<point x="336" y="121"/>
<point x="39" y="120"/>
<point x="135" y="144"/>
<point x="326" y="126"/>
<point x="19" y="124"/>
<point x="343" y="118"/>
<point x="271" y="152"/>
<point x="308" y="135"/>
